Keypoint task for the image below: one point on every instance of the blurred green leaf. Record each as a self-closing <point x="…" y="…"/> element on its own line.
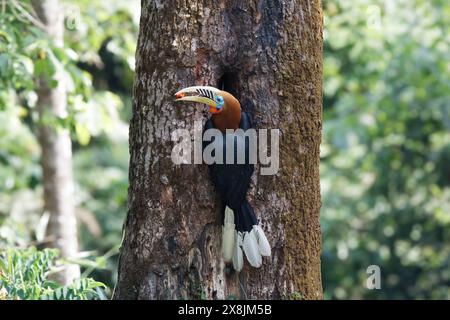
<point x="385" y="182"/>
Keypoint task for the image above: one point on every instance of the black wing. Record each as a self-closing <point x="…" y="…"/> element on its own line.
<point x="232" y="181"/>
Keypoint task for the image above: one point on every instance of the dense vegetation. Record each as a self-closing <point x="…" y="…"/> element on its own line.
<point x="25" y="274"/>
<point x="98" y="59"/>
<point x="385" y="153"/>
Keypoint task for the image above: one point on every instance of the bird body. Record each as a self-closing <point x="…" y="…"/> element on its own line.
<point x="240" y="229"/>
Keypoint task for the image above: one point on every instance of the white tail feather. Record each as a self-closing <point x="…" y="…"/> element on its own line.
<point x="251" y="249"/>
<point x="228" y="235"/>
<point x="263" y="243"/>
<point x="238" y="260"/>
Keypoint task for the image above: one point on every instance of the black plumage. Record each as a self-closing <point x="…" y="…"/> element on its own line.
<point x="232" y="181"/>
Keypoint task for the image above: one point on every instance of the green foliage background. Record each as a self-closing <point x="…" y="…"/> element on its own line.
<point x="385" y="155"/>
<point x="24" y="276"/>
<point x="386" y="151"/>
<point x="98" y="60"/>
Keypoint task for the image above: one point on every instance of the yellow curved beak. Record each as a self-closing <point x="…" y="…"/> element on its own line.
<point x="200" y="94"/>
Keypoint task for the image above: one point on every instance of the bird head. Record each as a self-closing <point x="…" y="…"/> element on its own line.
<point x="216" y="99"/>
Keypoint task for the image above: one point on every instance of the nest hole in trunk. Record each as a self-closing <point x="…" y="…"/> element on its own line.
<point x="228" y="82"/>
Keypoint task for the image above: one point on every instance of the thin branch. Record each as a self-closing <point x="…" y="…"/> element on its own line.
<point x="33" y="19"/>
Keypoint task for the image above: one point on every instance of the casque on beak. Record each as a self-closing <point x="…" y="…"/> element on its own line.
<point x="200" y="94"/>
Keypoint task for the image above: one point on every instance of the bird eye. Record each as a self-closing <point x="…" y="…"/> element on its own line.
<point x="219" y="101"/>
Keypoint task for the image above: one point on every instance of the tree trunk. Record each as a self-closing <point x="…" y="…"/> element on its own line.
<point x="57" y="151"/>
<point x="268" y="53"/>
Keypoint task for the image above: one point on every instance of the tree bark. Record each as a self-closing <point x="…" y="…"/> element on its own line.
<point x="56" y="148"/>
<point x="268" y="53"/>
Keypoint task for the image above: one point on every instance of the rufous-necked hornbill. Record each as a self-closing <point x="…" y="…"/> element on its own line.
<point x="240" y="230"/>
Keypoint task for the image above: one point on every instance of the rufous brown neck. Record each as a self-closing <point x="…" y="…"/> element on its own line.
<point x="230" y="116"/>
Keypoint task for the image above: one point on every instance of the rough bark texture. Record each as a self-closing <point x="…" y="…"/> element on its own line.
<point x="57" y="151"/>
<point x="267" y="53"/>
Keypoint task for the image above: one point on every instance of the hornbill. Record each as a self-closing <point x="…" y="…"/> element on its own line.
<point x="240" y="229"/>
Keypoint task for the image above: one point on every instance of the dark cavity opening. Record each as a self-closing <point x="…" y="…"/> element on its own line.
<point x="228" y="82"/>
